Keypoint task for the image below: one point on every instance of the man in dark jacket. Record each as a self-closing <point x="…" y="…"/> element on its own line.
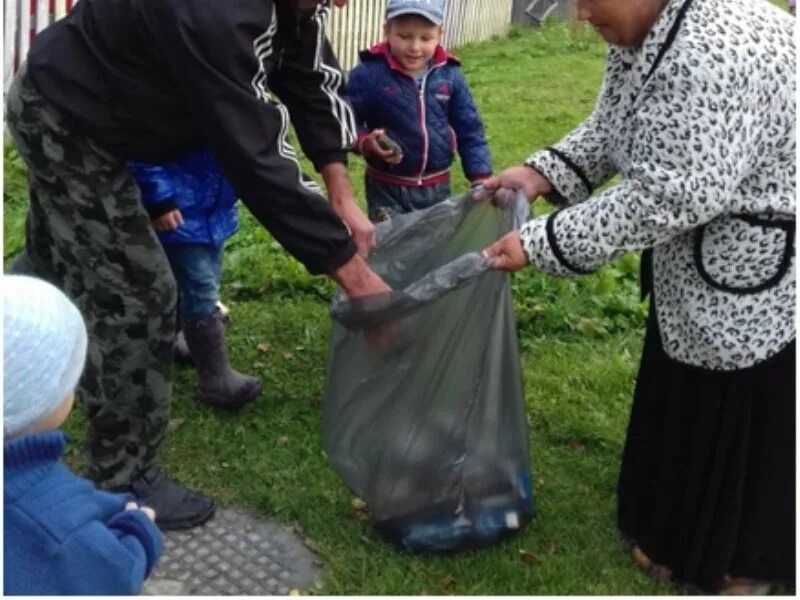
<point x="148" y="80"/>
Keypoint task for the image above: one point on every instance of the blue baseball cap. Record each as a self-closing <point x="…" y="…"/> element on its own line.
<point x="433" y="10"/>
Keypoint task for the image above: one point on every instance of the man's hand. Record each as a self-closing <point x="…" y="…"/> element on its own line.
<point x="507" y="253"/>
<point x="342" y="199"/>
<point x="532" y="183"/>
<point x="361" y="228"/>
<point x="378" y="145"/>
<point x="168" y="222"/>
<point x="357" y="279"/>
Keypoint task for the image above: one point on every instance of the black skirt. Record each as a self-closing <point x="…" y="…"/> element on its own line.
<point x="707" y="485"/>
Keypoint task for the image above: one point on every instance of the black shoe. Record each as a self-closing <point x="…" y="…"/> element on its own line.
<point x="176" y="507"/>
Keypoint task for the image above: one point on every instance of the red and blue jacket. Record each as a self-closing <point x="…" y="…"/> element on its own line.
<point x="430" y="122"/>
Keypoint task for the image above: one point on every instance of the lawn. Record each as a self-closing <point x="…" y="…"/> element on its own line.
<point x="580" y="344"/>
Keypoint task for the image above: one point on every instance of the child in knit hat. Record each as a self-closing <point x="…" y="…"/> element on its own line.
<point x="61" y="536"/>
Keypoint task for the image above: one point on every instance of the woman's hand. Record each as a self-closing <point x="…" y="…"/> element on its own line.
<point x="507" y="253"/>
<point x="532" y="183"/>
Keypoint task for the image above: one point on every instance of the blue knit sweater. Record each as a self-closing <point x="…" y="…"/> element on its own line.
<point x="61" y="535"/>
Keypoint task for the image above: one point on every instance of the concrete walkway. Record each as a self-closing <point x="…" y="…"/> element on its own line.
<point x="234" y="554"/>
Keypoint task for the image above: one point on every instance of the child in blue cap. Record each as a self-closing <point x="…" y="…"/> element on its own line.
<point x="414" y="110"/>
<point x="61" y="536"/>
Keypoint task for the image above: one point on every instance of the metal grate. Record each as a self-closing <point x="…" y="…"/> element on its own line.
<point x="234" y="554"/>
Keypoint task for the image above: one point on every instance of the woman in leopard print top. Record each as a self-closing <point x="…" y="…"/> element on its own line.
<point x="697" y="115"/>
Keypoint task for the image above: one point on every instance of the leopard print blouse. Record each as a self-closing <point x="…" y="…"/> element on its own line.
<point x="700" y="123"/>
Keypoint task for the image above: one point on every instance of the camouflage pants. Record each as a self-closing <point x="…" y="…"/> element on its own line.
<point x="88" y="233"/>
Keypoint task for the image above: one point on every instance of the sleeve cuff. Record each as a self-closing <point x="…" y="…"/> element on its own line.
<point x="480" y="178"/>
<point x="358" y="146"/>
<point x="570" y="185"/>
<point x="335" y="261"/>
<point x="138" y="525"/>
<point x="544" y="250"/>
<point x="325" y="158"/>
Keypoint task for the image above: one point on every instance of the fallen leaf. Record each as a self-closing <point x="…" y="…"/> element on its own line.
<point x="311" y="545"/>
<point x="294" y="592"/>
<point x="576" y="444"/>
<point x="263" y="348"/>
<point x="359" y="516"/>
<point x="258" y="365"/>
<point x="447" y="581"/>
<point x="551" y="548"/>
<point x="288" y="355"/>
<point x="591" y="327"/>
<point x="175" y="423"/>
<point x="224" y="465"/>
<point x="283" y="440"/>
<point x="528" y="556"/>
<point x="359" y="511"/>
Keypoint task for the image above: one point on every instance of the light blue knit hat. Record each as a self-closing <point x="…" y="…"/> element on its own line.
<point x="44" y="350"/>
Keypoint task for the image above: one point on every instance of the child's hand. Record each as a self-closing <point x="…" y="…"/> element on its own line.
<point x="151" y="514"/>
<point x="168" y="222"/>
<point x="379" y="145"/>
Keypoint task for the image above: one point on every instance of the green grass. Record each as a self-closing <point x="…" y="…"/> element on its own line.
<point x="580" y="342"/>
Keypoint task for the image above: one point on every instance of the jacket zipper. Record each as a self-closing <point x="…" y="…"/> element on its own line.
<point x="424" y="126"/>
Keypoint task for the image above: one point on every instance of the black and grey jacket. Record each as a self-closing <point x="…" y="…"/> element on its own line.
<point x="700" y="123"/>
<point x="153" y="79"/>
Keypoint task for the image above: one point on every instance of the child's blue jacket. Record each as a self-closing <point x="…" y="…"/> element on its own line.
<point x="430" y="124"/>
<point x="196" y="185"/>
<point x="62" y="536"/>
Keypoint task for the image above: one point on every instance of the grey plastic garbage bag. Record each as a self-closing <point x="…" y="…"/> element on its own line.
<point x="431" y="431"/>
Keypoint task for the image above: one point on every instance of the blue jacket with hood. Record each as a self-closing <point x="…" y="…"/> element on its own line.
<point x="430" y="124"/>
<point x="196" y="186"/>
